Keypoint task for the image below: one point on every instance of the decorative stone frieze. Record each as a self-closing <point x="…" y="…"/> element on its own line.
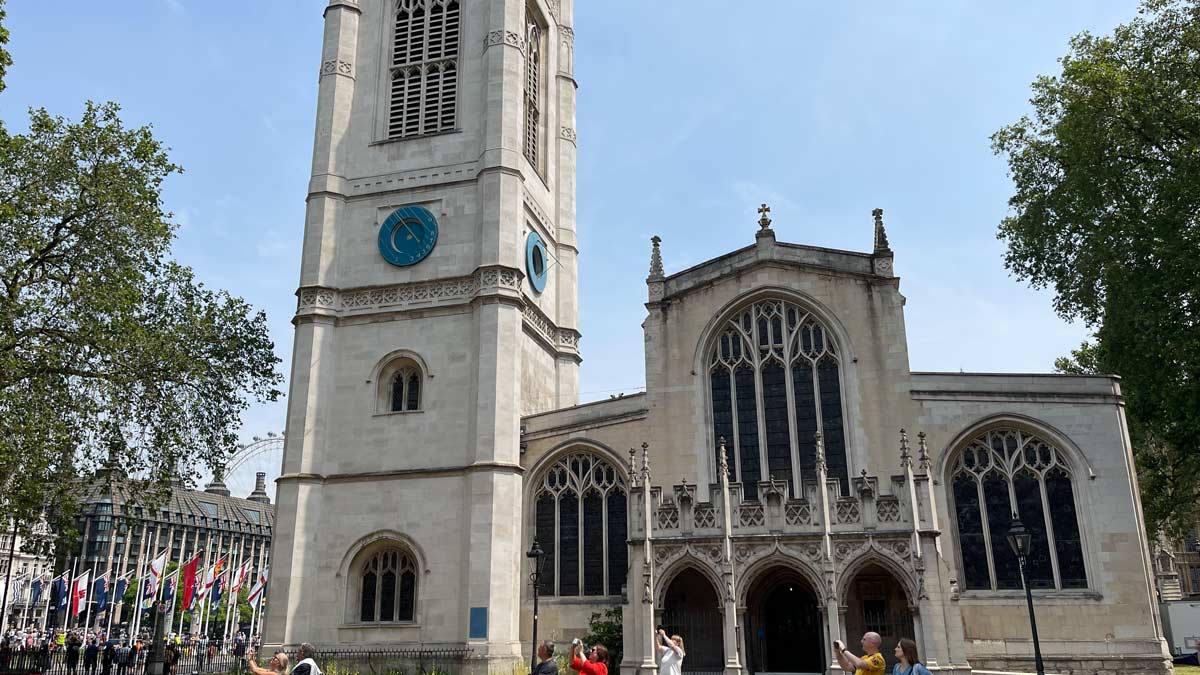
<point x="505" y="37"/>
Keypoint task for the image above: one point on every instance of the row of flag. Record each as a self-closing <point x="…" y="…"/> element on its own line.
<point x="195" y="587"/>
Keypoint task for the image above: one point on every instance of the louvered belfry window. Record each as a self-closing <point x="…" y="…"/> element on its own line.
<point x="533" y="87"/>
<point x="424" y="68"/>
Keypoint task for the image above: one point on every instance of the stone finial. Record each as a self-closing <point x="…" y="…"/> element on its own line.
<point x="646" y="462"/>
<point x="905" y="455"/>
<point x="633" y="466"/>
<point x="765" y="221"/>
<point x="656" y="265"/>
<point x="820" y="463"/>
<point x="724" y="459"/>
<point x="922" y="452"/>
<point x="881" y="240"/>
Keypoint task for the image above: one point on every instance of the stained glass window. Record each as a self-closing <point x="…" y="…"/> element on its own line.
<point x="764" y="422"/>
<point x="405" y="386"/>
<point x="380" y="595"/>
<point x="580" y="522"/>
<point x="1004" y="473"/>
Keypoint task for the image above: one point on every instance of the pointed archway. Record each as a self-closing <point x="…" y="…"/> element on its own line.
<point x="784" y="630"/>
<point x="692" y="610"/>
<point x="877" y="601"/>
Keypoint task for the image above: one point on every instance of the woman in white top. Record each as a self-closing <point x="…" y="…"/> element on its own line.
<point x="670" y="653"/>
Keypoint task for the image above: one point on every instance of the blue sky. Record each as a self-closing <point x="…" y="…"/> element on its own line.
<point x="690" y="113"/>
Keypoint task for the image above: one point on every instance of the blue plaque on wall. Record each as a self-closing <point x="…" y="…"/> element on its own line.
<point x="478" y="629"/>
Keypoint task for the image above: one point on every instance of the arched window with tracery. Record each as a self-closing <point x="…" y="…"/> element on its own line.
<point x="424" y="68"/>
<point x="387" y="587"/>
<point x="1007" y="472"/>
<point x="580" y="522"/>
<point x="775" y="381"/>
<point x="533" y="87"/>
<point x="401" y="384"/>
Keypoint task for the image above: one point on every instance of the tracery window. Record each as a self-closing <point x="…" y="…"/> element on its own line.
<point x="406" y="389"/>
<point x="1004" y="473"/>
<point x="424" y="68"/>
<point x="533" y="87"/>
<point x="775" y="382"/>
<point x="387" y="587"/>
<point x="580" y="522"/>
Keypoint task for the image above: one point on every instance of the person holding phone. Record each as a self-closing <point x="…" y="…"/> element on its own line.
<point x="670" y="653"/>
<point x="871" y="663"/>
<point x="596" y="663"/>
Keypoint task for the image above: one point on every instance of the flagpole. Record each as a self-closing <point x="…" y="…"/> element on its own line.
<point x="25" y="612"/>
<point x="71" y="590"/>
<point x="108" y="615"/>
<point x="46" y="614"/>
<point x="88" y="597"/>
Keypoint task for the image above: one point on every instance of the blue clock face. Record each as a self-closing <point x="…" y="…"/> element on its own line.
<point x="408" y="235"/>
<point x="537" y="261"/>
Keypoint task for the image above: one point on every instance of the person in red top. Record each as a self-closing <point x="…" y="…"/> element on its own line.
<point x="596" y="659"/>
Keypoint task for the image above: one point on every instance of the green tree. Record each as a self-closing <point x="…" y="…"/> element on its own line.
<point x="111" y="353"/>
<point x="1106" y="172"/>
<point x="608" y="630"/>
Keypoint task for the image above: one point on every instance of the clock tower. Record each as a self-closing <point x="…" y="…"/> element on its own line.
<point x="437" y="304"/>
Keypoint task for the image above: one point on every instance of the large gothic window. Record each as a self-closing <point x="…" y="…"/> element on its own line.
<point x="424" y="68"/>
<point x="775" y="382"/>
<point x="533" y="87"/>
<point x="580" y="522"/>
<point x="387" y="587"/>
<point x="1007" y="473"/>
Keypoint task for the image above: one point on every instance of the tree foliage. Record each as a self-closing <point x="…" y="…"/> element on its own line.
<point x="111" y="353"/>
<point x="607" y="629"/>
<point x="1106" y="172"/>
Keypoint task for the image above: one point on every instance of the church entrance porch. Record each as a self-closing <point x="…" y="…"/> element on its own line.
<point x="784" y="630"/>
<point x="692" y="610"/>
<point x="875" y="601"/>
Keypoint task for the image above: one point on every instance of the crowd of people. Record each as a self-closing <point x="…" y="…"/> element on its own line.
<point x="94" y="651"/>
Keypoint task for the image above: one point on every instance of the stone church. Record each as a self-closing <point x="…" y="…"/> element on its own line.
<point x="762" y="498"/>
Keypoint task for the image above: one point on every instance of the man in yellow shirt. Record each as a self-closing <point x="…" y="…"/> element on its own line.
<point x="871" y="663"/>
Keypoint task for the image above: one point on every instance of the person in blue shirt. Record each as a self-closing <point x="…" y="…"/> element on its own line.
<point x="909" y="662"/>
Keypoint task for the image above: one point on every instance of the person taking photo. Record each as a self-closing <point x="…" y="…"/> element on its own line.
<point x="871" y="663"/>
<point x="670" y="653"/>
<point x="596" y="663"/>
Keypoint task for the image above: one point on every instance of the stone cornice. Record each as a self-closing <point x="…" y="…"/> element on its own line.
<point x="355" y="476"/>
<point x="326" y="305"/>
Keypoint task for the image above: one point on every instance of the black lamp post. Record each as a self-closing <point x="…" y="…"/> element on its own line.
<point x="537" y="557"/>
<point x="1020" y="540"/>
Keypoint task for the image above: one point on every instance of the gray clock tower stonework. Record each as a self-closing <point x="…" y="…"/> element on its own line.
<point x="420" y="344"/>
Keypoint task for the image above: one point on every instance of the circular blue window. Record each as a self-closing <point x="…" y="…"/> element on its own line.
<point x="537" y="261"/>
<point x="408" y="235"/>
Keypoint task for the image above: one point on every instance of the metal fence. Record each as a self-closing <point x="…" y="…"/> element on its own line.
<point x="197" y="660"/>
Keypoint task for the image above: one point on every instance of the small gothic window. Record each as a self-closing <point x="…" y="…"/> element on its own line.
<point x="388" y="587"/>
<point x="755" y="355"/>
<point x="580" y="523"/>
<point x="533" y="87"/>
<point x="424" y="68"/>
<point x="406" y="391"/>
<point x="1007" y="473"/>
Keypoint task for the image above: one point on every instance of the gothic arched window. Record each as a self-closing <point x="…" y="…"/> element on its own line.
<point x="1006" y="473"/>
<point x="387" y="587"/>
<point x="406" y="390"/>
<point x="580" y="522"/>
<point x="400" y="384"/>
<point x="775" y="382"/>
<point x="424" y="68"/>
<point x="533" y="87"/>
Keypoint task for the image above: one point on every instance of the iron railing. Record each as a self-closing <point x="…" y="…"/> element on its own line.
<point x="197" y="660"/>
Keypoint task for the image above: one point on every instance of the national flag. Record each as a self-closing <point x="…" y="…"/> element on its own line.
<point x="216" y="590"/>
<point x="258" y="587"/>
<point x="58" y="592"/>
<point x="157" y="566"/>
<point x="18" y="588"/>
<point x="169" y="586"/>
<point x="119" y="589"/>
<point x="36" y="591"/>
<point x="148" y="589"/>
<point x="79" y="592"/>
<point x="189" y="582"/>
<point x="239" y="579"/>
<point x="210" y="577"/>
<point x="100" y="592"/>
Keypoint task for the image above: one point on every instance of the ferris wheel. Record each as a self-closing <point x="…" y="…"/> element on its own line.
<point x="262" y="454"/>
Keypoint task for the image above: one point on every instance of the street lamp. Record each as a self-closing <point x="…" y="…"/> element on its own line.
<point x="537" y="558"/>
<point x="1021" y="540"/>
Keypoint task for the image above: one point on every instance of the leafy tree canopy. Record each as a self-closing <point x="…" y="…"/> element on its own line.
<point x="111" y="353"/>
<point x="1106" y="172"/>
